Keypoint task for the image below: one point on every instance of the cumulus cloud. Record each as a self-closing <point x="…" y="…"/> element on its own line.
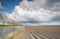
<point x="36" y="4"/>
<point x="40" y="15"/>
<point x="33" y="11"/>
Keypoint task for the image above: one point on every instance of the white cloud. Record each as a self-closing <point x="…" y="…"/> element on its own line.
<point x="26" y="12"/>
<point x="40" y="15"/>
<point x="36" y="4"/>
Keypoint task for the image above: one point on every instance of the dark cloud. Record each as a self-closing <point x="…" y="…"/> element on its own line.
<point x="57" y="18"/>
<point x="30" y="0"/>
<point x="56" y="7"/>
<point x="50" y="3"/>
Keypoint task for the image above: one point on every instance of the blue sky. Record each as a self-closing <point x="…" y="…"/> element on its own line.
<point x="32" y="11"/>
<point x="10" y="4"/>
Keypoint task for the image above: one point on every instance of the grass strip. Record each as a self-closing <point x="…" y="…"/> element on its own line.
<point x="17" y="35"/>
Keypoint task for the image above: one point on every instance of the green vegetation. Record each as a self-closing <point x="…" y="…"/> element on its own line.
<point x="11" y="34"/>
<point x="17" y="35"/>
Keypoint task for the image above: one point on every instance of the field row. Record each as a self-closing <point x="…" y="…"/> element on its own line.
<point x="38" y="32"/>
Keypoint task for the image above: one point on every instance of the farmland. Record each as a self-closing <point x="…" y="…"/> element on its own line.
<point x="41" y="32"/>
<point x="29" y="32"/>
